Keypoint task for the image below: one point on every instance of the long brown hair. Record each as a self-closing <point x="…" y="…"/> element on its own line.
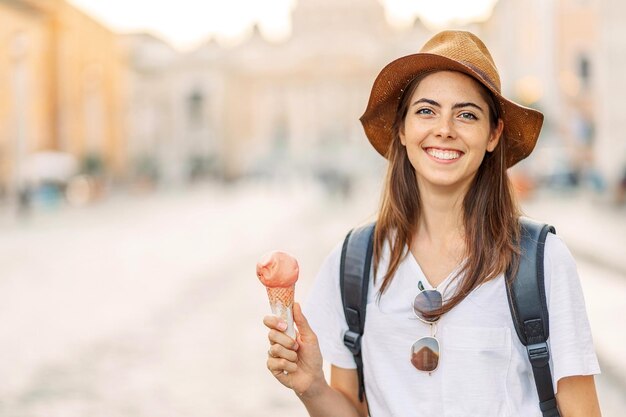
<point x="490" y="212"/>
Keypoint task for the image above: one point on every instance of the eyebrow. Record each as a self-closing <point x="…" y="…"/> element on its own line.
<point x="456" y="106"/>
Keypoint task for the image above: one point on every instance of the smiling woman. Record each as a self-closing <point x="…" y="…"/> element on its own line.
<point x="446" y="238"/>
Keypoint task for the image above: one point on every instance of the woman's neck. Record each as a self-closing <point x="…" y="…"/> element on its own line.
<point x="441" y="217"/>
<point x="438" y="244"/>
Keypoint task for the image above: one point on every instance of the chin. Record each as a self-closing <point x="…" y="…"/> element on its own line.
<point x="447" y="182"/>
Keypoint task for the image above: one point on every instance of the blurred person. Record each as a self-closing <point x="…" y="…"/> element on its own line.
<point x="620" y="193"/>
<point x="24" y="201"/>
<point x="582" y="131"/>
<point x="448" y="222"/>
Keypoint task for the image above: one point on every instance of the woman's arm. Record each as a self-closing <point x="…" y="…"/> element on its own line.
<point x="576" y="397"/>
<point x="302" y="361"/>
<point x="346" y="381"/>
<point x="340" y="399"/>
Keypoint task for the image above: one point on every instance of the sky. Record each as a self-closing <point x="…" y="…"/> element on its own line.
<point x="186" y="23"/>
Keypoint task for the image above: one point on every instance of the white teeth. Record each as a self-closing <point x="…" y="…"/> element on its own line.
<point x="439" y="154"/>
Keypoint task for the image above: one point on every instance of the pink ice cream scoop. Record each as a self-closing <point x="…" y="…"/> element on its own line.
<point x="278" y="271"/>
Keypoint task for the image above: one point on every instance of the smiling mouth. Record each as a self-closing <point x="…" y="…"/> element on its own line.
<point x="445" y="155"/>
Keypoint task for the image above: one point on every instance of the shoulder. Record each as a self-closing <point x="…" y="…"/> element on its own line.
<point x="325" y="287"/>
<point x="332" y="263"/>
<point x="570" y="340"/>
<point x="557" y="255"/>
<point x="326" y="283"/>
<point x="556" y="249"/>
<point x="562" y="282"/>
<point x="324" y="311"/>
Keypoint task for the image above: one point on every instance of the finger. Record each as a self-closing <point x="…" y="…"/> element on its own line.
<point x="282" y="339"/>
<point x="278" y="351"/>
<point x="303" y="324"/>
<point x="278" y="365"/>
<point x="274" y="322"/>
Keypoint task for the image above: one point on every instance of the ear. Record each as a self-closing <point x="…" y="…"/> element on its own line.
<point x="401" y="135"/>
<point x="494" y="136"/>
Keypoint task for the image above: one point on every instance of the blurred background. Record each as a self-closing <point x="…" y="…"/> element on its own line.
<point x="151" y="152"/>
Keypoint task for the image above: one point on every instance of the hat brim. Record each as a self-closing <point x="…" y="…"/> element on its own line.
<point x="521" y="124"/>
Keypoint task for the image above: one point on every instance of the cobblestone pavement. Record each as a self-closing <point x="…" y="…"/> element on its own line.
<point x="150" y="307"/>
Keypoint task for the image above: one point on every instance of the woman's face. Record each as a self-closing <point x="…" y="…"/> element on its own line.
<point x="447" y="131"/>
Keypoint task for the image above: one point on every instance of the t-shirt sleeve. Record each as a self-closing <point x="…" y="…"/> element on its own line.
<point x="324" y="311"/>
<point x="571" y="343"/>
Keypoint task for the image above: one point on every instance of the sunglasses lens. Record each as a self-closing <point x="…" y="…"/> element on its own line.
<point x="426" y="302"/>
<point x="425" y="354"/>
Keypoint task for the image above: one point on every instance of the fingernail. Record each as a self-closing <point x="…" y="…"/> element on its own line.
<point x="295" y="346"/>
<point x="282" y="325"/>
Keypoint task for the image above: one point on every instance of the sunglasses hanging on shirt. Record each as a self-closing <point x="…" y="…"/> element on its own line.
<point x="425" y="351"/>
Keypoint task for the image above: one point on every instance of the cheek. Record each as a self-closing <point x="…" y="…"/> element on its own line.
<point x="485" y="140"/>
<point x="410" y="133"/>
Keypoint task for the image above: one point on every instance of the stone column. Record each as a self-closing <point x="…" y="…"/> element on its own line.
<point x="610" y="147"/>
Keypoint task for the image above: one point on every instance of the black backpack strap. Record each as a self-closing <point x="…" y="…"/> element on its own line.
<point x="356" y="261"/>
<point x="529" y="309"/>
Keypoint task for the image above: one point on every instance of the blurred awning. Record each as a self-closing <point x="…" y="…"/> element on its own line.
<point x="50" y="166"/>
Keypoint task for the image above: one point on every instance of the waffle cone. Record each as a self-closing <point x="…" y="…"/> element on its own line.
<point x="281" y="302"/>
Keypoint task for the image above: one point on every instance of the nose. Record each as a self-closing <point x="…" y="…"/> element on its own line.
<point x="445" y="128"/>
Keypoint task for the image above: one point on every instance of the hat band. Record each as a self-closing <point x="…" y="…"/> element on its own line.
<point x="483" y="75"/>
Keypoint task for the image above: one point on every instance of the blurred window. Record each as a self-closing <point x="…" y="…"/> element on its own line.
<point x="280" y="136"/>
<point x="584" y="70"/>
<point x="195" y="108"/>
<point x="19" y="45"/>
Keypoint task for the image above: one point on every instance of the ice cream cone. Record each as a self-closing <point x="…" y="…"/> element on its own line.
<point x="281" y="302"/>
<point x="278" y="271"/>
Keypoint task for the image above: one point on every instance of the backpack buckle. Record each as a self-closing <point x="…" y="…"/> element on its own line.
<point x="352" y="340"/>
<point x="539" y="354"/>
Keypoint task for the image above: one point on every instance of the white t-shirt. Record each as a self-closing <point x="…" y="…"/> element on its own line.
<point x="483" y="370"/>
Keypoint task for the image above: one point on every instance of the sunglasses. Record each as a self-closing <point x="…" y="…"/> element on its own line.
<point x="425" y="351"/>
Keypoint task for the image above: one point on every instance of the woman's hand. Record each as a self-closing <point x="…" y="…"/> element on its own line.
<point x="296" y="364"/>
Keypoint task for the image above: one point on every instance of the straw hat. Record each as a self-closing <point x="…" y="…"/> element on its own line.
<point x="453" y="51"/>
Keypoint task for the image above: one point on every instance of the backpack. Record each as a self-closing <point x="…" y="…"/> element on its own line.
<point x="526" y="297"/>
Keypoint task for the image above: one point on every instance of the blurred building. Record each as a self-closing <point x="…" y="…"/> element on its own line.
<point x="176" y="109"/>
<point x="577" y="75"/>
<point x="610" y="87"/>
<point x="567" y="57"/>
<point x="147" y="111"/>
<point x="61" y="77"/>
<point x="243" y="109"/>
<point x="260" y="105"/>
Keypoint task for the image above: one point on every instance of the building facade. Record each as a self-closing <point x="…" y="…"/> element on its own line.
<point x="61" y="71"/>
<point x="260" y="105"/>
<point x="146" y="110"/>
<point x="256" y="102"/>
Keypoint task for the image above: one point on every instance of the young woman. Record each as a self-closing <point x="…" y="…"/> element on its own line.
<point x="448" y="224"/>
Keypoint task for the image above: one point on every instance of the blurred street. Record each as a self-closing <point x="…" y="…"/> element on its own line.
<point x="149" y="306"/>
<point x="166" y="322"/>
